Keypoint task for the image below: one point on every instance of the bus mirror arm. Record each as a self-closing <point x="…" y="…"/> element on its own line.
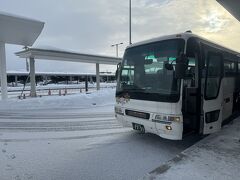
<point x="117" y="71"/>
<point x="168" y="66"/>
<point x="116" y="74"/>
<point x="181" y="66"/>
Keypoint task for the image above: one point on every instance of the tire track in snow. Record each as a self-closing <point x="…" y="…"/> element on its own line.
<point x="58" y="121"/>
<point x="41" y="115"/>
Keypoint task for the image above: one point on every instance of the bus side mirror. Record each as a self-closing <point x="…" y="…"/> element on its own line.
<point x="168" y="66"/>
<point x="117" y="71"/>
<point x="181" y="66"/>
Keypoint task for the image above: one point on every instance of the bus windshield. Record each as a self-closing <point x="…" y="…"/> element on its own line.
<point x="143" y="74"/>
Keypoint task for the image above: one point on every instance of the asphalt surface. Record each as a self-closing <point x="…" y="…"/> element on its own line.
<point x="72" y="144"/>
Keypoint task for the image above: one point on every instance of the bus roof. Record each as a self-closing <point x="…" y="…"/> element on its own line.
<point x="185" y="36"/>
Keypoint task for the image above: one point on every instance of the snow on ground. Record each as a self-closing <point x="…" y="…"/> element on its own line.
<point x="76" y="137"/>
<point x="61" y="86"/>
<point x="120" y="156"/>
<point x="43" y="90"/>
<point x="82" y="100"/>
<point x="216" y="157"/>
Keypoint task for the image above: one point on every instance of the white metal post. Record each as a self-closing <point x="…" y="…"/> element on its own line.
<point x="16" y="80"/>
<point x="71" y="79"/>
<point x="116" y="50"/>
<point x="3" y="69"/>
<point x="91" y="79"/>
<point x="27" y="65"/>
<point x="32" y="78"/>
<point x="97" y="76"/>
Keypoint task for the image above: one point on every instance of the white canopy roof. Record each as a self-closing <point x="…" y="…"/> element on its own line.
<point x="19" y="30"/>
<point x="233" y="6"/>
<point x="61" y="55"/>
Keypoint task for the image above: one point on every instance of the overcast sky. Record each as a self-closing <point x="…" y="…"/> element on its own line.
<point x="92" y="26"/>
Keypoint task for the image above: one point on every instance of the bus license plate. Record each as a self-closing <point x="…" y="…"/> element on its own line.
<point x="138" y="127"/>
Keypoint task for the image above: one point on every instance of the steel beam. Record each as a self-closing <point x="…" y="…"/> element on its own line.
<point x="3" y="71"/>
<point x="32" y="78"/>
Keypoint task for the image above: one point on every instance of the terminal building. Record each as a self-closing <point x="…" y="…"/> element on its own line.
<point x="44" y="78"/>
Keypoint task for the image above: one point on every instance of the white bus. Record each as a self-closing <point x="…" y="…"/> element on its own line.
<point x="177" y="84"/>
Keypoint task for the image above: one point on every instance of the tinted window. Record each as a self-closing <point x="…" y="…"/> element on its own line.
<point x="214" y="71"/>
<point x="144" y="74"/>
<point x="239" y="68"/>
<point x="229" y="67"/>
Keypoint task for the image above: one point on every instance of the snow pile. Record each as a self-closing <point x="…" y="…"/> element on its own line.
<point x="215" y="157"/>
<point x="105" y="97"/>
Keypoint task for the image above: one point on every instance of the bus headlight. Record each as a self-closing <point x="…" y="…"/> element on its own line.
<point x="161" y="117"/>
<point x="169" y="128"/>
<point x="174" y="118"/>
<point x="119" y="110"/>
<point x="165" y="118"/>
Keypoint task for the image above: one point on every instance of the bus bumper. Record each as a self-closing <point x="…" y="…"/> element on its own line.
<point x="171" y="130"/>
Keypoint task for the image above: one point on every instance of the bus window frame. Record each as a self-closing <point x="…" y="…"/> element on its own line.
<point x="209" y="53"/>
<point x="230" y="74"/>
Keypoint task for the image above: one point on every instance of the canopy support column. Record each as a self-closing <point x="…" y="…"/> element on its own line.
<point x="86" y="83"/>
<point x="16" y="80"/>
<point x="32" y="78"/>
<point x="97" y="76"/>
<point x="3" y="71"/>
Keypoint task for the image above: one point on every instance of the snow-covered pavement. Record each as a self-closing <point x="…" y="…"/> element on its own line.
<point x="76" y="137"/>
<point x="100" y="155"/>
<point x="216" y="157"/>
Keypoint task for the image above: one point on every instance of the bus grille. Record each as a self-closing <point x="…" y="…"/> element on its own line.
<point x="137" y="114"/>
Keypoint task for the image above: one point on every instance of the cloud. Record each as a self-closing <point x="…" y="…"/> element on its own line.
<point x="92" y="26"/>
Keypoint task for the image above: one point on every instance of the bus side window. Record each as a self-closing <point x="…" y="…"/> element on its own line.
<point x="238" y="68"/>
<point x="191" y="52"/>
<point x="127" y="75"/>
<point x="237" y="87"/>
<point x="214" y="73"/>
<point x="229" y="68"/>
